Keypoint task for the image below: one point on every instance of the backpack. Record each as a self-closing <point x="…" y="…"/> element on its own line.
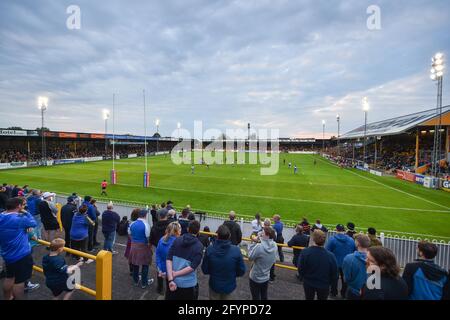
<point x="122" y="228"/>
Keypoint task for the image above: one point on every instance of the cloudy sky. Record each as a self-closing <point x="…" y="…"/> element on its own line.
<point x="278" y="64"/>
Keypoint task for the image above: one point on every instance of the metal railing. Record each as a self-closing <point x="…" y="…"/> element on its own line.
<point x="403" y="246"/>
<point x="103" y="272"/>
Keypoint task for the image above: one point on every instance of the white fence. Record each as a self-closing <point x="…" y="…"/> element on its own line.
<point x="403" y="247"/>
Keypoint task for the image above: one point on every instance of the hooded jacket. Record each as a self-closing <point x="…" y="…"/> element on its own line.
<point x="223" y="262"/>
<point x="67" y="213"/>
<point x="158" y="231"/>
<point x="161" y="252"/>
<point x="263" y="255"/>
<point x="425" y="279"/>
<point x="354" y="269"/>
<point x="340" y="245"/>
<point x="186" y="251"/>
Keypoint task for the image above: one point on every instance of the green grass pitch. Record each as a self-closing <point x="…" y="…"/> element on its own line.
<point x="322" y="191"/>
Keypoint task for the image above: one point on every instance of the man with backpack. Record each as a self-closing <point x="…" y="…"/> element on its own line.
<point x="33" y="208"/>
<point x="425" y="279"/>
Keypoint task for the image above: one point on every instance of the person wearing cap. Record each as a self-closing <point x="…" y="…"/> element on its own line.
<point x="67" y="213"/>
<point x="48" y="212"/>
<point x="141" y="251"/>
<point x="340" y="245"/>
<point x="351" y="229"/>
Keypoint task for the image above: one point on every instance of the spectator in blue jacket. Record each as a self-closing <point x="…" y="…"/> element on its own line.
<point x="340" y="245"/>
<point x="184" y="256"/>
<point x="92" y="214"/>
<point x="354" y="268"/>
<point x="223" y="261"/>
<point x="173" y="231"/>
<point x="79" y="231"/>
<point x="317" y="268"/>
<point x="15" y="223"/>
<point x="425" y="279"/>
<point x="110" y="220"/>
<point x="32" y="207"/>
<point x="278" y="227"/>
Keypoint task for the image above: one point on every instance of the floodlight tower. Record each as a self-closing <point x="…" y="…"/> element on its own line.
<point x="437" y="73"/>
<point x="179" y="127"/>
<point x="366" y="107"/>
<point x="323" y="136"/>
<point x="43" y="106"/>
<point x="106" y="115"/>
<point x="338" y="119"/>
<point x="157" y="131"/>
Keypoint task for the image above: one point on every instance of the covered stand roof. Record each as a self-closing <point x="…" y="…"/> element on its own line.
<point x="398" y="125"/>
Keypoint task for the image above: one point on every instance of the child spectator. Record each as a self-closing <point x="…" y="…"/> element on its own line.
<point x="57" y="272"/>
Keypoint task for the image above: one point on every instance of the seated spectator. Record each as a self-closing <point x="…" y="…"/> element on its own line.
<point x="223" y="262"/>
<point x="317" y="267"/>
<point x="354" y="268"/>
<point x="298" y="240"/>
<point x="340" y="245"/>
<point x="425" y="279"/>
<point x="390" y="285"/>
<point x="234" y="227"/>
<point x="374" y="241"/>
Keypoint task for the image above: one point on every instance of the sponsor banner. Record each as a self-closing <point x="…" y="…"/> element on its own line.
<point x="4" y="166"/>
<point x="67" y="161"/>
<point x="446" y="185"/>
<point x="377" y="173"/>
<point x="361" y="168"/>
<point x="404" y="175"/>
<point x="419" y="179"/>
<point x="302" y="152"/>
<point x="33" y="134"/>
<point x="133" y="155"/>
<point x="12" y="165"/>
<point x="34" y="164"/>
<point x="91" y="159"/>
<point x="15" y="133"/>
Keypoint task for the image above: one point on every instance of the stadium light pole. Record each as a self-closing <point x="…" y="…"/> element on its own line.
<point x="179" y="127"/>
<point x="437" y="73"/>
<point x="338" y="119"/>
<point x="146" y="173"/>
<point x="366" y="107"/>
<point x="323" y="136"/>
<point x="43" y="105"/>
<point x="113" y="171"/>
<point x="157" y="131"/>
<point x="106" y="115"/>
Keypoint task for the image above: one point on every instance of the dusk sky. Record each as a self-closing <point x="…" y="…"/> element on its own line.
<point x="277" y="64"/>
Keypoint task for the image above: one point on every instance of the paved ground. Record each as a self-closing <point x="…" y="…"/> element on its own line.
<point x="285" y="287"/>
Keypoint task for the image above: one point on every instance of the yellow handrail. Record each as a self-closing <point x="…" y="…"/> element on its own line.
<point x="103" y="277"/>
<point x="279" y="265"/>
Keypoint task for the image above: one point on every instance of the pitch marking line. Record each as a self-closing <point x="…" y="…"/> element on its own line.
<point x="389" y="187"/>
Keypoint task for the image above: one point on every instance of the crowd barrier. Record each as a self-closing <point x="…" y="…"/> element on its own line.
<point x="103" y="277"/>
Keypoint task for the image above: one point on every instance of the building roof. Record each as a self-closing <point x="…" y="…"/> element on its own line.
<point x="395" y="125"/>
